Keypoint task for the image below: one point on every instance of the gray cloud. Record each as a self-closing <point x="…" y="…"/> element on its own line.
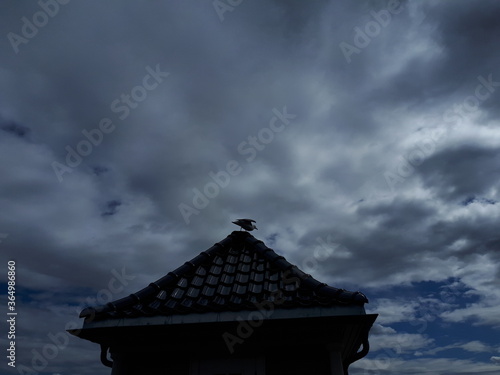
<point x="323" y="176"/>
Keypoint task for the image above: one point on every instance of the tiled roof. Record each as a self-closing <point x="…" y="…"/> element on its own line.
<point x="235" y="274"/>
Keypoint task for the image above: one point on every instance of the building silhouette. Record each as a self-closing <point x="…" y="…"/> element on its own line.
<point x="236" y="308"/>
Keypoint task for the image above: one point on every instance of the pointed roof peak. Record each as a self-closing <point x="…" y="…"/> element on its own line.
<point x="235" y="274"/>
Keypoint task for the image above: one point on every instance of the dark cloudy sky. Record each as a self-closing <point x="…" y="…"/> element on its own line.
<point x="368" y="126"/>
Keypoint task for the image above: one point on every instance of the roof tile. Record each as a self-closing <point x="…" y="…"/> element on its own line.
<point x="235" y="274"/>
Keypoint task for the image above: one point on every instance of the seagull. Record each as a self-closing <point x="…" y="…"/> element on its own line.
<point x="247" y="224"/>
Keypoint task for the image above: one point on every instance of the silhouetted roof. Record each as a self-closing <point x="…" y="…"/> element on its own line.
<point x="233" y="275"/>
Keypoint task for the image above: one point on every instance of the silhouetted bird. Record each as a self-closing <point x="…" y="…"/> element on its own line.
<point x="247" y="224"/>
